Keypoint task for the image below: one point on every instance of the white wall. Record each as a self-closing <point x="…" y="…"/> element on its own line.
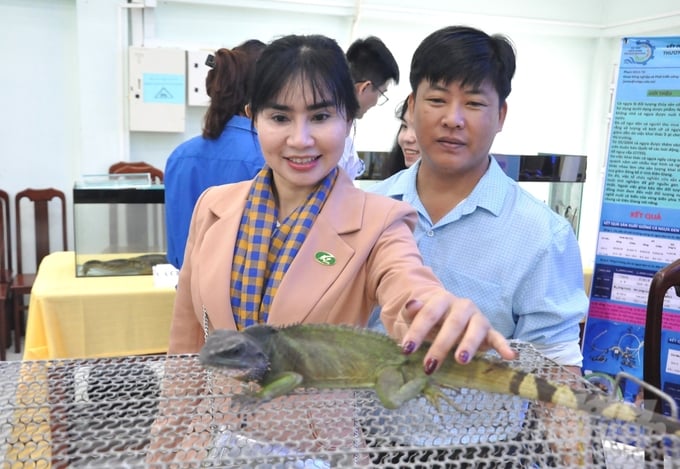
<point x="63" y="90"/>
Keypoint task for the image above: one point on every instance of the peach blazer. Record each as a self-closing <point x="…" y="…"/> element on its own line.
<point x="377" y="262"/>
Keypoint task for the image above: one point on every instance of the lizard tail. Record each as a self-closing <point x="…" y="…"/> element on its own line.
<point x="594" y="402"/>
<point x="498" y="377"/>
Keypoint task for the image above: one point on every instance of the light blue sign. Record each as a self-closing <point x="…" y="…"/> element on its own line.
<point x="164" y="88"/>
<point x="639" y="222"/>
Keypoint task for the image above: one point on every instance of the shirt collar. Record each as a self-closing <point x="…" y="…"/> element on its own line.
<point x="403" y="184"/>
<point x="489" y="193"/>
<point x="240" y="122"/>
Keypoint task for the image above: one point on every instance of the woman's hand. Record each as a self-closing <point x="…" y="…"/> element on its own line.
<point x="457" y="323"/>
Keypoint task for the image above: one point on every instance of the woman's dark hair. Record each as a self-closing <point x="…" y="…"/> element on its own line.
<point x="253" y="49"/>
<point x="395" y="160"/>
<point x="228" y="85"/>
<point x="315" y="59"/>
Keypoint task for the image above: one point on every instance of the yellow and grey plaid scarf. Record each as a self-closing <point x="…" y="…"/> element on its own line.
<point x="264" y="251"/>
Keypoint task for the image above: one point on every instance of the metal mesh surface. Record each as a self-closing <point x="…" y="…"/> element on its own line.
<point x="159" y="411"/>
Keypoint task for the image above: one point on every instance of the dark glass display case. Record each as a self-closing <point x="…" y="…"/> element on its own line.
<point x="556" y="179"/>
<point x="119" y="225"/>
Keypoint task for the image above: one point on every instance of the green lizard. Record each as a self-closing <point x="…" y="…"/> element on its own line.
<point x="330" y="356"/>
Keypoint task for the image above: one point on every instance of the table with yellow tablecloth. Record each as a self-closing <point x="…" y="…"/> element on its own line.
<point x="88" y="317"/>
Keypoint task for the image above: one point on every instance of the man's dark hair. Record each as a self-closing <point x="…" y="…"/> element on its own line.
<point x="370" y="60"/>
<point x="466" y="55"/>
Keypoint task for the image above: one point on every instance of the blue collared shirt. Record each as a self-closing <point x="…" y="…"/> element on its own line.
<point x="200" y="163"/>
<point x="508" y="252"/>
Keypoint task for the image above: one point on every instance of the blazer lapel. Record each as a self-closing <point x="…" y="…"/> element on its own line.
<point x="216" y="255"/>
<point x="309" y="272"/>
<point x="341" y="214"/>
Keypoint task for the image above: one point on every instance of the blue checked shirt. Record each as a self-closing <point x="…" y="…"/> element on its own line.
<point x="509" y="253"/>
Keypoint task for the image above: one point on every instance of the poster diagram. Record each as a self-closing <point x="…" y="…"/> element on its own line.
<point x="639" y="230"/>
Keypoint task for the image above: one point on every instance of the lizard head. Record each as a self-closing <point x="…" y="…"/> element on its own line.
<point x="232" y="350"/>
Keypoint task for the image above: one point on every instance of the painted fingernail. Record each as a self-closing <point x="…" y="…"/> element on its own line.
<point x="408" y="347"/>
<point x="463" y="356"/>
<point x="431" y="365"/>
<point x="409" y="303"/>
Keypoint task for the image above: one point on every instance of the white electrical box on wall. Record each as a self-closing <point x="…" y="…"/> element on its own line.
<point x="197" y="71"/>
<point x="157" y="89"/>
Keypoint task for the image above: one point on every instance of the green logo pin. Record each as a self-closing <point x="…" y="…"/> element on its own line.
<point x="324" y="258"/>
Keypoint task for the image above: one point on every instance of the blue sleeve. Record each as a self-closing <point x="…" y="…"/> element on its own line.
<point x="178" y="210"/>
<point x="551" y="301"/>
<point x="196" y="165"/>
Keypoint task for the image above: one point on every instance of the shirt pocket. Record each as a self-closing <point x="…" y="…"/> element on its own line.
<point x="489" y="296"/>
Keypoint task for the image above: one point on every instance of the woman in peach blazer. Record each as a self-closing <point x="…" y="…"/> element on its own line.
<point x="300" y="244"/>
<point x="356" y="251"/>
<point x="369" y="237"/>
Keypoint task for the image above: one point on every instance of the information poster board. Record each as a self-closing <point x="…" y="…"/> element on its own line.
<point x="639" y="228"/>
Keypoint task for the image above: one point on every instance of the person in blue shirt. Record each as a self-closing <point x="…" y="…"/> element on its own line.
<point x="486" y="238"/>
<point x="227" y="151"/>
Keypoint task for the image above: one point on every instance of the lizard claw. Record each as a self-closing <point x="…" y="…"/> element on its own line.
<point x="244" y="400"/>
<point x="435" y="395"/>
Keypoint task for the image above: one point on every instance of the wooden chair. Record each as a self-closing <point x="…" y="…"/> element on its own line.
<point x="23" y="281"/>
<point x="665" y="278"/>
<point x="137" y="167"/>
<point x="6" y="273"/>
<point x="137" y="218"/>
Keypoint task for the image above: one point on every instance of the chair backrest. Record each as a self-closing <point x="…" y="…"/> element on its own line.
<point x="665" y="278"/>
<point x="40" y="199"/>
<point x="5" y="239"/>
<point x="136" y="167"/>
<point x="138" y="222"/>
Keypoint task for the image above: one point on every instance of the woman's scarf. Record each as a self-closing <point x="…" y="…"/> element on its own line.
<point x="264" y="251"/>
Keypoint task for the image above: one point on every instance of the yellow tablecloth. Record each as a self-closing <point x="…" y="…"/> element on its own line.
<point x="89" y="317"/>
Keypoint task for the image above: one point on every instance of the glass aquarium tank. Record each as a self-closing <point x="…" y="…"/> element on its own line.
<point x="556" y="179"/>
<point x="119" y="225"/>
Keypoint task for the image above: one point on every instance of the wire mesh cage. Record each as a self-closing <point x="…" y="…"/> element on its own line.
<point x="168" y="411"/>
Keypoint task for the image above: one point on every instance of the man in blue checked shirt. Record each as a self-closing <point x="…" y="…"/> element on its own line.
<point x="484" y="237"/>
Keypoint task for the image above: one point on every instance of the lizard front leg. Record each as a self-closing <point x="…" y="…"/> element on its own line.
<point x="278" y="385"/>
<point x="393" y="390"/>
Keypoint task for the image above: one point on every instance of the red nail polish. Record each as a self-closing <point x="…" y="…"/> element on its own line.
<point x="431" y="365"/>
<point x="408" y="347"/>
